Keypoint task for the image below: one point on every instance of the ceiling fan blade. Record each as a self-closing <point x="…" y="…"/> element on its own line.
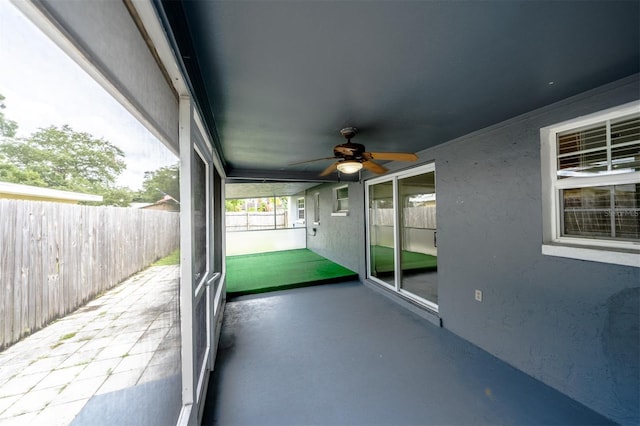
<point x="311" y="161"/>
<point x="332" y="168"/>
<point x="395" y="156"/>
<point x="374" y="167"/>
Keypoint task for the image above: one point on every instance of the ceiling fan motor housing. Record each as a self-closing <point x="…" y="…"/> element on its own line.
<point x="349" y="132"/>
<point x="349" y="151"/>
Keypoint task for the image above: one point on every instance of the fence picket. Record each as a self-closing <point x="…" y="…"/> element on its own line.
<point x="7" y="271"/>
<point x="17" y="277"/>
<point x="41" y="302"/>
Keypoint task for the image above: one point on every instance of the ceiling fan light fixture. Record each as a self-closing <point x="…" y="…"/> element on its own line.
<point x="353" y="157"/>
<point x="349" y="166"/>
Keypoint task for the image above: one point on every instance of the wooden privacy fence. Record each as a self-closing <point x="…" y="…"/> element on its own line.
<point x="249" y="221"/>
<point x="56" y="257"/>
<point x="414" y="217"/>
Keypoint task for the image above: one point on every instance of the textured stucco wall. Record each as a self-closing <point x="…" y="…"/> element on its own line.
<point x="338" y="238"/>
<point x="571" y="324"/>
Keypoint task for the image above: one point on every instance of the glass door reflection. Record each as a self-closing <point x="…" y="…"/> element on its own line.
<point x="381" y="232"/>
<point x="418" y="236"/>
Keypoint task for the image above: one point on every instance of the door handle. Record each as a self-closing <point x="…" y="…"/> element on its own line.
<point x="213" y="279"/>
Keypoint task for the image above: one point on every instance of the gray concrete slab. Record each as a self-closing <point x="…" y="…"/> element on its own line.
<point x="111" y="349"/>
<point x="343" y="354"/>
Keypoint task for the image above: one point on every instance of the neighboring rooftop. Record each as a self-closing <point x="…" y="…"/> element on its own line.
<point x="28" y="192"/>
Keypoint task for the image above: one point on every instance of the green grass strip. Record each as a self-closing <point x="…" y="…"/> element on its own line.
<point x="172" y="259"/>
<point x="261" y="272"/>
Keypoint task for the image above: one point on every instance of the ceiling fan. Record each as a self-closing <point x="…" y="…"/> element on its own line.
<point x="352" y="157"/>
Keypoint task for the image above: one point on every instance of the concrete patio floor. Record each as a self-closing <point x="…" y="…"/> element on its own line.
<point x="127" y="337"/>
<point x="344" y="354"/>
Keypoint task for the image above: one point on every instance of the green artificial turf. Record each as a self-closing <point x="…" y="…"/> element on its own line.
<point x="279" y="270"/>
<point x="383" y="260"/>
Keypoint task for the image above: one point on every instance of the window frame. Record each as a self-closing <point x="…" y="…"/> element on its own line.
<point x="554" y="243"/>
<point x="301" y="210"/>
<point x="336" y="201"/>
<point x="316" y="208"/>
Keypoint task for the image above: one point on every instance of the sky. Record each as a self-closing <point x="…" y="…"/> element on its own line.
<point x="44" y="87"/>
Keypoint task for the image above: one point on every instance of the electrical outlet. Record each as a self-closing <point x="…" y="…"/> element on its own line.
<point x="479" y="295"/>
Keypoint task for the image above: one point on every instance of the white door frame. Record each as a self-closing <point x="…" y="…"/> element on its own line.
<point x="397" y="238"/>
<point x="192" y="289"/>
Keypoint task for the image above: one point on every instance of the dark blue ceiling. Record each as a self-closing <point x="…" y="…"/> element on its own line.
<point x="277" y="80"/>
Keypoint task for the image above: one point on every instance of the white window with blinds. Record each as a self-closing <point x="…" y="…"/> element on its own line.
<point x="300" y="210"/>
<point x="591" y="187"/>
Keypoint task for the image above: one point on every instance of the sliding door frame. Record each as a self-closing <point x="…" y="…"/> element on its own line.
<point x="397" y="234"/>
<point x="194" y="144"/>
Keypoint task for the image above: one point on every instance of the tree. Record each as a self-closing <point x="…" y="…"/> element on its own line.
<point x="117" y="196"/>
<point x="10" y="173"/>
<point x="160" y="182"/>
<point x="61" y="158"/>
<point x="8" y="128"/>
<point x="235" y="205"/>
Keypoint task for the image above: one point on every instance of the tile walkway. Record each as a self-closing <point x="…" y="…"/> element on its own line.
<point x="126" y="337"/>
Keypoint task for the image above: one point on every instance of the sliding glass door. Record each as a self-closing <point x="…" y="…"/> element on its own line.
<point x="402" y="234"/>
